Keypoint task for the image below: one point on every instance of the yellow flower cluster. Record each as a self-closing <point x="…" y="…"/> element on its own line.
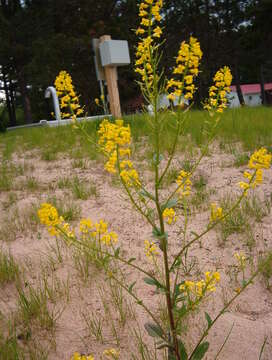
<point x="111" y="354"/>
<point x="241" y="259"/>
<point x="77" y="356"/>
<point x="97" y="101"/>
<point x="114" y="139"/>
<point x="188" y="61"/>
<point x="218" y="92"/>
<point x="56" y="225"/>
<point x="69" y="101"/>
<point x="258" y="161"/>
<point x="216" y="212"/>
<point x="151" y="249"/>
<point x="98" y="230"/>
<point x="196" y="290"/>
<point x="149" y="12"/>
<point x="184" y="183"/>
<point x="170" y="215"/>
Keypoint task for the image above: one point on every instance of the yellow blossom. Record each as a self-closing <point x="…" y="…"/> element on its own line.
<point x="184" y="183"/>
<point x="85" y="225"/>
<point x="217" y="101"/>
<point x="69" y="101"/>
<point x="111" y="354"/>
<point x="216" y="212"/>
<point x="151" y="249"/>
<point x="157" y="32"/>
<point x="197" y="290"/>
<point x="77" y="356"/>
<point x="170" y="215"/>
<point x="258" y="161"/>
<point x="188" y="61"/>
<point x="114" y="139"/>
<point x="241" y="259"/>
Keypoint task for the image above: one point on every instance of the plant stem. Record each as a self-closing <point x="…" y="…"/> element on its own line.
<point x="163" y="238"/>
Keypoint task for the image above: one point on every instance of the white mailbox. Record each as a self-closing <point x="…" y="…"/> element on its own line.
<point x="114" y="53"/>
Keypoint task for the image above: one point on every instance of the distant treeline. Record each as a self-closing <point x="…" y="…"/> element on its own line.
<point x="41" y="37"/>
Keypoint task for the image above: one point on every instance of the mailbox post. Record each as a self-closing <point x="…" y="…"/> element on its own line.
<point x="113" y="53"/>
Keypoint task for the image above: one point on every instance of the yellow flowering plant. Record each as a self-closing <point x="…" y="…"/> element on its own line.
<point x="69" y="101"/>
<point x="161" y="211"/>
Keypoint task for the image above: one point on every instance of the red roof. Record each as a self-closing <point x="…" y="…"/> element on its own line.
<point x="252" y="88"/>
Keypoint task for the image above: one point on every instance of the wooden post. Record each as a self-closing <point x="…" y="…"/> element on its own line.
<point x="112" y="85"/>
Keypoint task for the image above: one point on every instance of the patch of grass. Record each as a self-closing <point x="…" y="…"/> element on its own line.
<point x="256" y="208"/>
<point x="265" y="266"/>
<point x="10" y="349"/>
<point x="83" y="190"/>
<point x="64" y="182"/>
<point x="94" y="324"/>
<point x="48" y="155"/>
<point x="199" y="182"/>
<point x="241" y="159"/>
<point x="199" y="200"/>
<point x="11" y="200"/>
<point x="33" y="305"/>
<point x="250" y="126"/>
<point x="16" y="221"/>
<point x="6" y="179"/>
<point x="80" y="164"/>
<point x="68" y="209"/>
<point x="171" y="176"/>
<point x="236" y="222"/>
<point x="31" y="183"/>
<point x="83" y="262"/>
<point x="8" y="172"/>
<point x="9" y="270"/>
<point x="187" y="165"/>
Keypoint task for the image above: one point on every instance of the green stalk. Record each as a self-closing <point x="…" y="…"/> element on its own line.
<point x="163" y="239"/>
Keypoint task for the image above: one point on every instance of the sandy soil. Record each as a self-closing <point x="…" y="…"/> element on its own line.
<point x="250" y="315"/>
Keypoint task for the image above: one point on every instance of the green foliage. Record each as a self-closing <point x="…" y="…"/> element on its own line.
<point x="33" y="305"/>
<point x="265" y="266"/>
<point x="9" y="270"/>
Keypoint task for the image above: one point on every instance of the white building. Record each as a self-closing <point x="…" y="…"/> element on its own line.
<point x="251" y="94"/>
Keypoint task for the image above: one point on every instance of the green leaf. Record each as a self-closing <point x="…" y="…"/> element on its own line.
<point x="208" y="318"/>
<point x="170" y="204"/>
<point x="163" y="345"/>
<point x="159" y="159"/>
<point x="151" y="281"/>
<point x="116" y="252"/>
<point x="131" y="260"/>
<point x="131" y="287"/>
<point x="147" y="194"/>
<point x="194" y="233"/>
<point x="154" y="330"/>
<point x="200" y="351"/>
<point x="175" y="264"/>
<point x="156" y="232"/>
<point x="182" y="350"/>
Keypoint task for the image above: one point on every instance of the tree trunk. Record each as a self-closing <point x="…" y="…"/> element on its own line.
<point x="263" y="95"/>
<point x="238" y="86"/>
<point x="25" y="98"/>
